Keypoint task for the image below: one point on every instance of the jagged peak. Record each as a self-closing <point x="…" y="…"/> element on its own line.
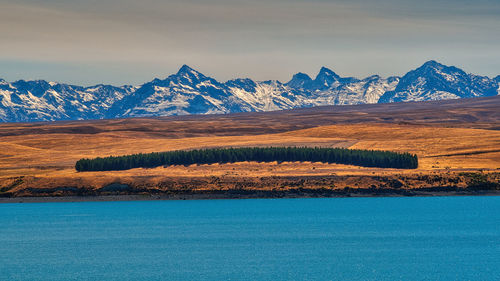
<point x="328" y="72"/>
<point x="299" y="80"/>
<point x="189" y="74"/>
<point x="186" y="69"/>
<point x="301" y="76"/>
<point x="436" y="69"/>
<point x="432" y="63"/>
<point x="325" y="78"/>
<point x="38" y="82"/>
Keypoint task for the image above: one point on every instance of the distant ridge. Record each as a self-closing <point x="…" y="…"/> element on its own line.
<point x="191" y="92"/>
<point x="434" y="81"/>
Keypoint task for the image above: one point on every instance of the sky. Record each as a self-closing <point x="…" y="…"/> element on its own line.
<point x="131" y="42"/>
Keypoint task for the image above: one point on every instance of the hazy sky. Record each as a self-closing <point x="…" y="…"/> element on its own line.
<point x="130" y="41"/>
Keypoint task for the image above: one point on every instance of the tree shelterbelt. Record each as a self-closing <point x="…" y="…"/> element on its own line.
<point x="357" y="157"/>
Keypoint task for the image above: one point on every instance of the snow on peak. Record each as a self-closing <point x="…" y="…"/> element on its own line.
<point x="190" y="92"/>
<point x="433" y="66"/>
<point x="187" y="70"/>
<point x="327" y="72"/>
<point x="434" y="81"/>
<point x="326" y="78"/>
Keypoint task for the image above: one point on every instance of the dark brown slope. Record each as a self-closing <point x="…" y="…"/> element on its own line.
<point x="469" y="113"/>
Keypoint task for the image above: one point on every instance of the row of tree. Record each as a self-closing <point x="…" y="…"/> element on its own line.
<point x="366" y="158"/>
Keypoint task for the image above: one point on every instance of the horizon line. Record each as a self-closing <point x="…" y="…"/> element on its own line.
<point x="237" y="78"/>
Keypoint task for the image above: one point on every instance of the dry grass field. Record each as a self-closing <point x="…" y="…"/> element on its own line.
<point x="449" y="138"/>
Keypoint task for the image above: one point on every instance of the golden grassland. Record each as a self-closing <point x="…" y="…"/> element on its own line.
<point x="43" y="155"/>
<point x="48" y="160"/>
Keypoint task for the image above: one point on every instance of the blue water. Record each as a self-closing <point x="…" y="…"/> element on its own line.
<point x="431" y="238"/>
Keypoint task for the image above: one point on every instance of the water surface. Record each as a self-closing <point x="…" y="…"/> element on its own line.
<point x="424" y="238"/>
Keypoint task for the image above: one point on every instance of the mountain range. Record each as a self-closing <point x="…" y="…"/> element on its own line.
<point x="191" y="92"/>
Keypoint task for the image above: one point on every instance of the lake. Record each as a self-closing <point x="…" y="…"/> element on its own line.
<point x="404" y="238"/>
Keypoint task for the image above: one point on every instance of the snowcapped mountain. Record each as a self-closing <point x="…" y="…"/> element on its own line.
<point x="25" y="101"/>
<point x="190" y="92"/>
<point x="187" y="92"/>
<point x="497" y="79"/>
<point x="434" y="81"/>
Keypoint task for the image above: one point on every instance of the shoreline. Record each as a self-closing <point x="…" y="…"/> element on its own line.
<point x="233" y="195"/>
